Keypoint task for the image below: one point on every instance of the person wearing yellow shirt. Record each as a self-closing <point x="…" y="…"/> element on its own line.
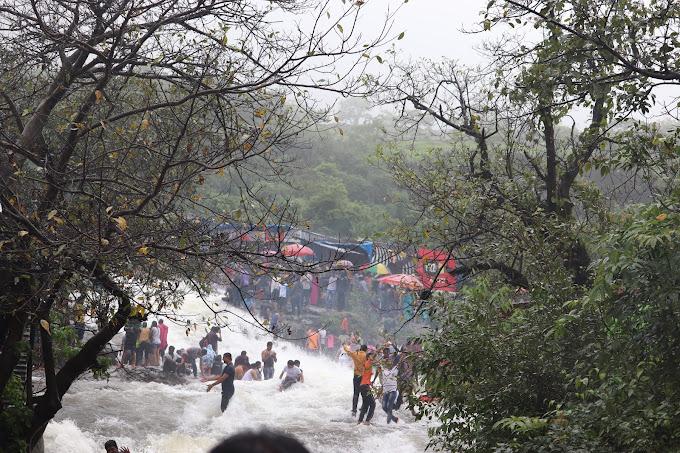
<point x="359" y="359"/>
<point x="143" y="345"/>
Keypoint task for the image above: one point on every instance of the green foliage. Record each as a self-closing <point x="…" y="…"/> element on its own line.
<point x="488" y="363"/>
<point x="331" y="181"/>
<point x="598" y="373"/>
<point x="65" y="343"/>
<point x="14" y="416"/>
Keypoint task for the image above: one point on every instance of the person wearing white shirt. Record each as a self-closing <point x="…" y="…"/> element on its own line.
<point x="322" y="339"/>
<point x="389" y="384"/>
<point x="253" y="374"/>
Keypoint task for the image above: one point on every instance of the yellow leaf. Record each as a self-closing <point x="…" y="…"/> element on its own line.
<point x="220" y="172"/>
<point x="51" y="214"/>
<point x="145" y="124"/>
<point x="661" y="217"/>
<point x="122" y="223"/>
<point x="247" y="146"/>
<point x="22" y="233"/>
<point x="98" y="96"/>
<point x="45" y="325"/>
<point x="144" y="250"/>
<point x="109" y="210"/>
<point x="260" y="112"/>
<point x="104" y="242"/>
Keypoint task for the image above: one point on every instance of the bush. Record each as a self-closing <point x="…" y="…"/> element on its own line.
<point x="597" y="373"/>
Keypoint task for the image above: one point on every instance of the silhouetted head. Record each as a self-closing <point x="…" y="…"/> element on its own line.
<point x="291" y="364"/>
<point x="171" y="349"/>
<point x="154" y="324"/>
<point x="364" y="348"/>
<point x="296" y="362"/>
<point x="269" y="345"/>
<point x="111" y="446"/>
<point x="226" y="357"/>
<point x="244" y="353"/>
<point x="260" y="442"/>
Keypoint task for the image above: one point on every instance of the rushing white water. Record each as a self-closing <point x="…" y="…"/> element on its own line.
<point x="153" y="417"/>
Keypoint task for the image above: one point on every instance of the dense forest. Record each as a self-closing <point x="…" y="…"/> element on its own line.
<point x="333" y="178"/>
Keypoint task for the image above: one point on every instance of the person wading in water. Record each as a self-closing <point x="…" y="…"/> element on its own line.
<point x="227" y="381"/>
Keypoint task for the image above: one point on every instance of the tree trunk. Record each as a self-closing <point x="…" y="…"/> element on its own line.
<point x="551" y="158"/>
<point x="9" y="356"/>
<point x="49" y="404"/>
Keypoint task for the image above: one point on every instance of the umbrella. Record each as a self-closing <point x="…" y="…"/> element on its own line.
<point x="381" y="269"/>
<point x="403" y="280"/>
<point x="297" y="250"/>
<point x="343" y="263"/>
<point x="376" y="269"/>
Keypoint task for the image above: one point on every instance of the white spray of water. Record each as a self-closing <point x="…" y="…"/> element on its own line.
<point x="153" y="417"/>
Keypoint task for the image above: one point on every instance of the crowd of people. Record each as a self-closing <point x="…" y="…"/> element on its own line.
<point x="144" y="345"/>
<point x="270" y="296"/>
<point x="390" y="367"/>
<point x="242" y="369"/>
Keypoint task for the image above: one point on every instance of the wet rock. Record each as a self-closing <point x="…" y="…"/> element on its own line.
<point x="148" y="374"/>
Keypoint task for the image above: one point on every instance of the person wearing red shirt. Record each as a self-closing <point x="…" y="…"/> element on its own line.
<point x="367" y="400"/>
<point x="164" y="337"/>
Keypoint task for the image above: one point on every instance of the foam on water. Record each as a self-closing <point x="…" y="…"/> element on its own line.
<point x="153" y="417"/>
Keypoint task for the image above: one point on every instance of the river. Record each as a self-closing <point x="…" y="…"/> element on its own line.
<point x="153" y="417"/>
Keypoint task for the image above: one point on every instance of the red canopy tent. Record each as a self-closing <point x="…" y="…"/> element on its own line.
<point x="439" y="264"/>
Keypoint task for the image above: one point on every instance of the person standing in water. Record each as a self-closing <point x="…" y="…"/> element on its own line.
<point x="367" y="399"/>
<point x="268" y="360"/>
<point x="164" y="337"/>
<point x="313" y="340"/>
<point x="389" y="385"/>
<point x="155" y="343"/>
<point x="143" y="345"/>
<point x="242" y="360"/>
<point x="227" y="381"/>
<point x="358" y="357"/>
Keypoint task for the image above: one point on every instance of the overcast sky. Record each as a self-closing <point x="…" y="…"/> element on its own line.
<point x="433" y="28"/>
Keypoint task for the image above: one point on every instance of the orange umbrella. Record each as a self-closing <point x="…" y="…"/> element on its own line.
<point x="296" y="250"/>
<point x="403" y="280"/>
